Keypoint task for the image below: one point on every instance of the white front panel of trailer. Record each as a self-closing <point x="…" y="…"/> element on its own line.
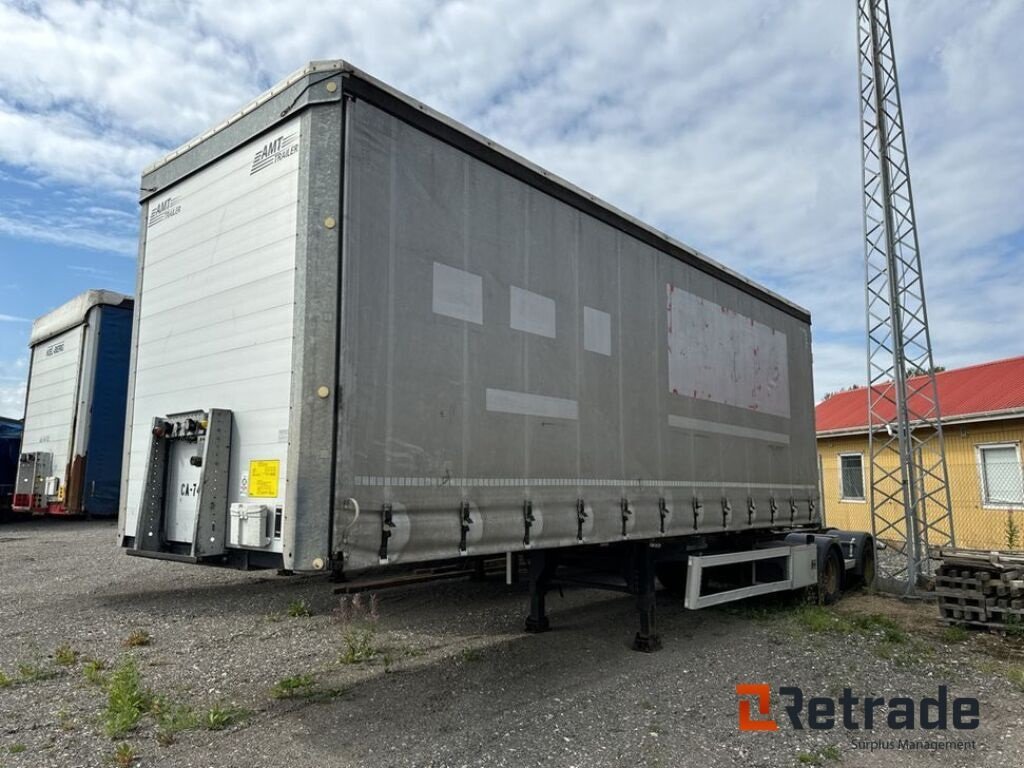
<point x="216" y="314"/>
<point x="52" y="390"/>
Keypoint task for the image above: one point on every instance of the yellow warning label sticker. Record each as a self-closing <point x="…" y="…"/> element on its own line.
<point x="263" y="477"/>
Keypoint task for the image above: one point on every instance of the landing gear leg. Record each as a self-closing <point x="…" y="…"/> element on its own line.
<point x="647" y="639"/>
<point x="540" y="581"/>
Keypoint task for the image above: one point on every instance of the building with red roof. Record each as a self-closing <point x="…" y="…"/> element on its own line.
<point x="982" y="410"/>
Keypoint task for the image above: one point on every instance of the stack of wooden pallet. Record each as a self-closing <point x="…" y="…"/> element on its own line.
<point x="980" y="588"/>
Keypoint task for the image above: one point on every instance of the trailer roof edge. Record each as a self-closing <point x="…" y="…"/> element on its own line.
<point x="551" y="180"/>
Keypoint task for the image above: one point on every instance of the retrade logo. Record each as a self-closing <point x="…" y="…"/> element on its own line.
<point x="762" y="695"/>
<point x="275" y="151"/>
<point x="854" y="713"/>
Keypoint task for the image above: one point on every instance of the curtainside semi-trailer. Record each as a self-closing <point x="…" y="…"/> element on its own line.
<point x="366" y="335"/>
<point x="71" y="444"/>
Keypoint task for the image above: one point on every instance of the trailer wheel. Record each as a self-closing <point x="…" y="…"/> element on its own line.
<point x="830" y="578"/>
<point x="867" y="559"/>
<point x="672" y="575"/>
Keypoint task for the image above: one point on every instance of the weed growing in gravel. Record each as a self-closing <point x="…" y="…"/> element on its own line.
<point x="359" y="645"/>
<point x="1016" y="676"/>
<point x="874" y="624"/>
<point x="65" y="655"/>
<point x="1014" y="626"/>
<point x="92" y="670"/>
<point x="818" y="757"/>
<point x="360" y="619"/>
<point x="219" y="717"/>
<point x="172" y="719"/>
<point x="905" y="652"/>
<point x="65" y="720"/>
<point x="16" y="749"/>
<point x="292" y="687"/>
<point x="298" y="608"/>
<point x="138" y="638"/>
<point x="303" y="687"/>
<point x="472" y="654"/>
<point x="127" y="700"/>
<point x="124" y="755"/>
<point x="815" y="618"/>
<point x="955" y="634"/>
<point x="31" y="672"/>
<point x="6" y="681"/>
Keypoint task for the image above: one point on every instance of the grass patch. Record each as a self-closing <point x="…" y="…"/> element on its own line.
<point x="17" y="749"/>
<point x="30" y="672"/>
<point x="359" y="645"/>
<point x="1014" y="626"/>
<point x="472" y="654"/>
<point x="298" y="608"/>
<point x="172" y="719"/>
<point x="955" y="634"/>
<point x="127" y="700"/>
<point x="6" y="681"/>
<point x="820" y="756"/>
<point x="1016" y="676"/>
<point x="816" y="619"/>
<point x="218" y="717"/>
<point x="65" y="720"/>
<point x="139" y="638"/>
<point x="65" y="655"/>
<point x="296" y="686"/>
<point x="92" y="670"/>
<point x="767" y="608"/>
<point x="303" y="687"/>
<point x="124" y="755"/>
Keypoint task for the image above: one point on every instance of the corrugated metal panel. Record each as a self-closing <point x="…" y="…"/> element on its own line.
<point x="216" y="308"/>
<point x="975" y="390"/>
<point x="52" y="388"/>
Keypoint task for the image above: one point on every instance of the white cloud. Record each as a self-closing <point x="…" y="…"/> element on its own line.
<point x="13" y="374"/>
<point x="67" y="232"/>
<point x="730" y="125"/>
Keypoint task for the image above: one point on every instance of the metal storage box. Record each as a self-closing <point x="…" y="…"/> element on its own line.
<point x="384" y="338"/>
<point x="70" y="459"/>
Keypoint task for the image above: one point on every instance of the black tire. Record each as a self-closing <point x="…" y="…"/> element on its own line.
<point x="672" y="576"/>
<point x="867" y="567"/>
<point x="830" y="578"/>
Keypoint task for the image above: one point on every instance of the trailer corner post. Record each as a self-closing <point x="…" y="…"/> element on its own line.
<point x="315" y="399"/>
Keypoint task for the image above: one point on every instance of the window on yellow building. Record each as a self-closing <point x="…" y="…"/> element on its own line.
<point x="1002" y="483"/>
<point x="851" y="473"/>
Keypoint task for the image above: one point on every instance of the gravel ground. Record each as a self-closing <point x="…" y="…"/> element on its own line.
<point x="451" y="680"/>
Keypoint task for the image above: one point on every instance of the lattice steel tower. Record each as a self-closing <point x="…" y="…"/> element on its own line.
<point x="910" y="505"/>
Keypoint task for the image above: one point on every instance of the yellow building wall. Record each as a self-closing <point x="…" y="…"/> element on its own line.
<point x="976" y="525"/>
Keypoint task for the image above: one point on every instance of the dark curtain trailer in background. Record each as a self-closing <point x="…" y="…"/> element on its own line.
<point x="10" y="441"/>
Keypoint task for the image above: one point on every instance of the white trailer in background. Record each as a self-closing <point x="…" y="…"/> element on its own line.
<point x="368" y="336"/>
<point x="71" y="446"/>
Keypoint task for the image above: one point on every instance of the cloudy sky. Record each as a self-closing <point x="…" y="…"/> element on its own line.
<point x="731" y="125"/>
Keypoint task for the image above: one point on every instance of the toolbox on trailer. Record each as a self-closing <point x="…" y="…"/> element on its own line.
<point x="367" y="335"/>
<point x="72" y="443"/>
